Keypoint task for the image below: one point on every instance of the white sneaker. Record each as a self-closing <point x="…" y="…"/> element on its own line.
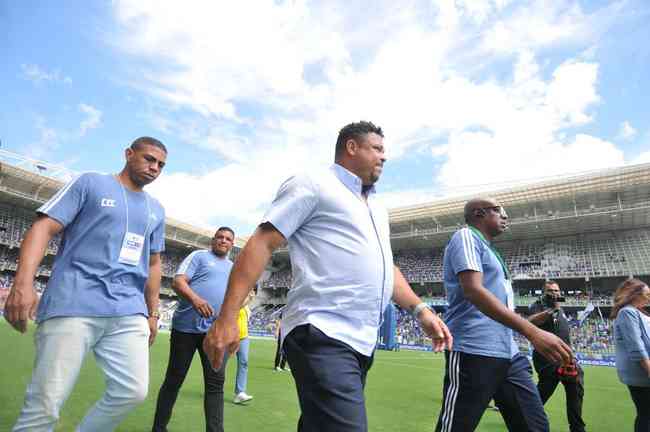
<point x="241" y="398"/>
<point x="278" y="369"/>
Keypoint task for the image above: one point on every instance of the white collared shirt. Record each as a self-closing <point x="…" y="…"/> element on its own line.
<point x="341" y="257"/>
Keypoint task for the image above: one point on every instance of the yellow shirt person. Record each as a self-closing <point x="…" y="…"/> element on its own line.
<point x="242" y="322"/>
<point x="242" y="358"/>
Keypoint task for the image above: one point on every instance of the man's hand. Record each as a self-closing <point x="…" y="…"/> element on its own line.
<point x="223" y="336"/>
<point x="645" y="364"/>
<point x="20" y="306"/>
<point x="551" y="347"/>
<point x="153" y="329"/>
<point x="436" y="329"/>
<point x="202" y="307"/>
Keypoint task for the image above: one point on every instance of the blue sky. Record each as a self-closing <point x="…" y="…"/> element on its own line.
<point x="244" y="95"/>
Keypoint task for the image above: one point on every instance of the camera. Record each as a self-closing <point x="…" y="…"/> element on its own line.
<point x="549" y="300"/>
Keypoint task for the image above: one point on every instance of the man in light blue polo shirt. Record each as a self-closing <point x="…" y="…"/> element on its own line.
<point x="102" y="294"/>
<point x="200" y="282"/>
<point x="343" y="279"/>
<point x="485" y="362"/>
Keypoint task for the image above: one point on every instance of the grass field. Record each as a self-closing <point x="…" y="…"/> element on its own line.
<point x="403" y="393"/>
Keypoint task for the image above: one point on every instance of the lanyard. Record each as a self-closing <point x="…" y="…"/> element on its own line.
<point x="494" y="251"/>
<point x="126" y="207"/>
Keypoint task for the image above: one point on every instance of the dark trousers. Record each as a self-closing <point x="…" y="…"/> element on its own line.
<point x="280" y="358"/>
<point x="181" y="351"/>
<point x="575" y="391"/>
<point x="641" y="398"/>
<point x="471" y="381"/>
<point x="330" y="377"/>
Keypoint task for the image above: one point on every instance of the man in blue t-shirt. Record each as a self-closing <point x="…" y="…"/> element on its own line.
<point x="102" y="294"/>
<point x="485" y="362"/>
<point x="200" y="282"/>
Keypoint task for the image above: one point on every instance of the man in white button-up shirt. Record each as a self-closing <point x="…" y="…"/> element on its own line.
<point x="343" y="279"/>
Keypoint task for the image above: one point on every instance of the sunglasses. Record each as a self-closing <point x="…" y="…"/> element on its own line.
<point x="496" y="209"/>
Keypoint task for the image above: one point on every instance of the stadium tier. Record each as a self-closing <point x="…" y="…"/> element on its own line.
<point x="588" y="231"/>
<point x="619" y="254"/>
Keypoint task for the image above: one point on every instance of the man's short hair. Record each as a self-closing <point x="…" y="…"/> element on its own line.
<point x="550" y="282"/>
<point x="225" y="228"/>
<point x="356" y="131"/>
<point x="145" y="140"/>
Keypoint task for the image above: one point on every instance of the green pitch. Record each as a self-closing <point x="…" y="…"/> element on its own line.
<point x="403" y="393"/>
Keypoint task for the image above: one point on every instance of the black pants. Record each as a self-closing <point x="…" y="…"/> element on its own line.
<point x="330" y="377"/>
<point x="575" y="391"/>
<point x="641" y="398"/>
<point x="280" y="358"/>
<point x="181" y="351"/>
<point x="471" y="381"/>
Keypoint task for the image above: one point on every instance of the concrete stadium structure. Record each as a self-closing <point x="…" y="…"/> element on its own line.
<point x="598" y="222"/>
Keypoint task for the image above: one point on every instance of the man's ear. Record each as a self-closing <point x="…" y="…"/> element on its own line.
<point x="351" y="147"/>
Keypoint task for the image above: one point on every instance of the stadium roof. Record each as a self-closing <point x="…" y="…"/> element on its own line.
<point x="28" y="183"/>
<point x="597" y="202"/>
<point x="586" y="203"/>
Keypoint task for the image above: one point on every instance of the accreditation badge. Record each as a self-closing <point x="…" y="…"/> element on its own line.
<point x="131" y="249"/>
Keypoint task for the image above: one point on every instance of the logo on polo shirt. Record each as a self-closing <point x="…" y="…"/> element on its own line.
<point x="107" y="202"/>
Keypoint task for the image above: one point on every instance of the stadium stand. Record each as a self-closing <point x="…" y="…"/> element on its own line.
<point x="624" y="255"/>
<point x="590" y="231"/>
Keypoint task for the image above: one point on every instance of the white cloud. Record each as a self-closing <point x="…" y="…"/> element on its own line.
<point x="235" y="194"/>
<point x="92" y="120"/>
<point x="270" y="89"/>
<point x="38" y="75"/>
<point x="642" y="158"/>
<point x="626" y="131"/>
<point x="50" y="137"/>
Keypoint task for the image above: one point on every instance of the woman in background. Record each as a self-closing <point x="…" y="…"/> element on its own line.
<point x="632" y="333"/>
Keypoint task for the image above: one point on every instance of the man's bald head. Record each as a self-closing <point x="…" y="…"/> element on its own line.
<point x="473" y="206"/>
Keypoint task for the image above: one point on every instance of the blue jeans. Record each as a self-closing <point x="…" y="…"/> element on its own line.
<point x="242" y="366"/>
<point x="121" y="349"/>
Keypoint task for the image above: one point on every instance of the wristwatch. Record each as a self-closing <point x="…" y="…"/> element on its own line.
<point x="155" y="314"/>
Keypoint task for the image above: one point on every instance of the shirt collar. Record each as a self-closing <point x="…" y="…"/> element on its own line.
<point x="350" y="180"/>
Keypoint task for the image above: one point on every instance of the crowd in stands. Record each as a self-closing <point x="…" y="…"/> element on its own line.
<point x="166" y="309"/>
<point x="170" y="263"/>
<point x="279" y="279"/>
<point x="594" y="337"/>
<point x="420" y="266"/>
<point x="624" y="255"/>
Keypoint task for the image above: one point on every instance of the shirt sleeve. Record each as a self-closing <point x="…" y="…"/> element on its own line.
<point x="465" y="252"/>
<point x="189" y="265"/>
<point x="67" y="202"/>
<point x="157" y="237"/>
<point x="293" y="205"/>
<point x="630" y="328"/>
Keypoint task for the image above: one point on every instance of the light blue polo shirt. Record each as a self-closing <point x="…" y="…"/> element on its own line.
<point x="208" y="277"/>
<point x="341" y="258"/>
<point x="87" y="278"/>
<point x="473" y="331"/>
<point x="632" y="333"/>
